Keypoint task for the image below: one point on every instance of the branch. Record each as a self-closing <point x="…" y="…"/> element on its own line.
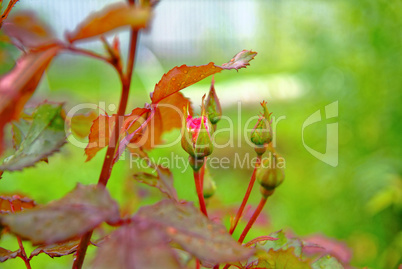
<point x="246" y="196"/>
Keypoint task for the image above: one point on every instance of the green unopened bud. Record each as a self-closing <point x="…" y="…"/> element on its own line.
<point x="197" y="135"/>
<point x="269" y="175"/>
<point x="213" y="105"/>
<point x="262" y="132"/>
<point x="209" y="187"/>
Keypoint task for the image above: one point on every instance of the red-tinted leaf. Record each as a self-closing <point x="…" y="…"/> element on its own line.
<point x="186" y="225"/>
<point x="111" y="17"/>
<point x="75" y="214"/>
<point x="15" y="203"/>
<point x="98" y="137"/>
<point x="164" y="181"/>
<point x="81" y="123"/>
<point x="133" y="129"/>
<point x="103" y="126"/>
<point x="136" y="245"/>
<point x="25" y="28"/>
<point x="240" y="60"/>
<point x="181" y="77"/>
<point x="19" y="84"/>
<point x="57" y="250"/>
<point x="167" y="116"/>
<point x="7" y="254"/>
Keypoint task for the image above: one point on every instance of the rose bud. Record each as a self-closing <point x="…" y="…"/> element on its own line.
<point x="197" y="134"/>
<point x="213" y="105"/>
<point x="262" y="132"/>
<point x="269" y="175"/>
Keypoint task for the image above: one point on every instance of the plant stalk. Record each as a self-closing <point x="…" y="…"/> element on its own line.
<point x="7" y="11"/>
<point x="246" y="196"/>
<point x="253" y="218"/>
<point x="108" y="161"/>
<point x="198" y="185"/>
<point x="126" y="83"/>
<point x="23" y="254"/>
<point x="87" y="53"/>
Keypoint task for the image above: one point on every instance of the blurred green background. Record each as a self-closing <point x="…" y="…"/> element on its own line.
<point x="310" y="54"/>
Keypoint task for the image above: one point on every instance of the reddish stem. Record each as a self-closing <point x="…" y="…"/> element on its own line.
<point x="200" y="194"/>
<point x="197" y="264"/>
<point x="203" y="173"/>
<point x="126" y="82"/>
<point x="7" y="11"/>
<point x="87" y="53"/>
<point x="253" y="218"/>
<point x="23" y="254"/>
<point x="108" y="161"/>
<point x="246" y="196"/>
<point x="82" y="250"/>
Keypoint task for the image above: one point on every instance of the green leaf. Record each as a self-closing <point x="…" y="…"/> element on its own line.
<point x="282" y="259"/>
<point x="164" y="181"/>
<point x="40" y="139"/>
<point x="73" y="215"/>
<point x="57" y="250"/>
<point x="7" y="254"/>
<point x="280" y="253"/>
<point x="203" y="238"/>
<point x="283" y="243"/>
<point x="19" y="129"/>
<point x="136" y="245"/>
<point x="327" y="262"/>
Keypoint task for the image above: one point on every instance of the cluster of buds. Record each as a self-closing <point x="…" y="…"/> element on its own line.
<point x="262" y="132"/>
<point x="197" y="132"/>
<point x="268" y="174"/>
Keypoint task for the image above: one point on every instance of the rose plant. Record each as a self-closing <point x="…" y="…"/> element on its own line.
<point x="172" y="233"/>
